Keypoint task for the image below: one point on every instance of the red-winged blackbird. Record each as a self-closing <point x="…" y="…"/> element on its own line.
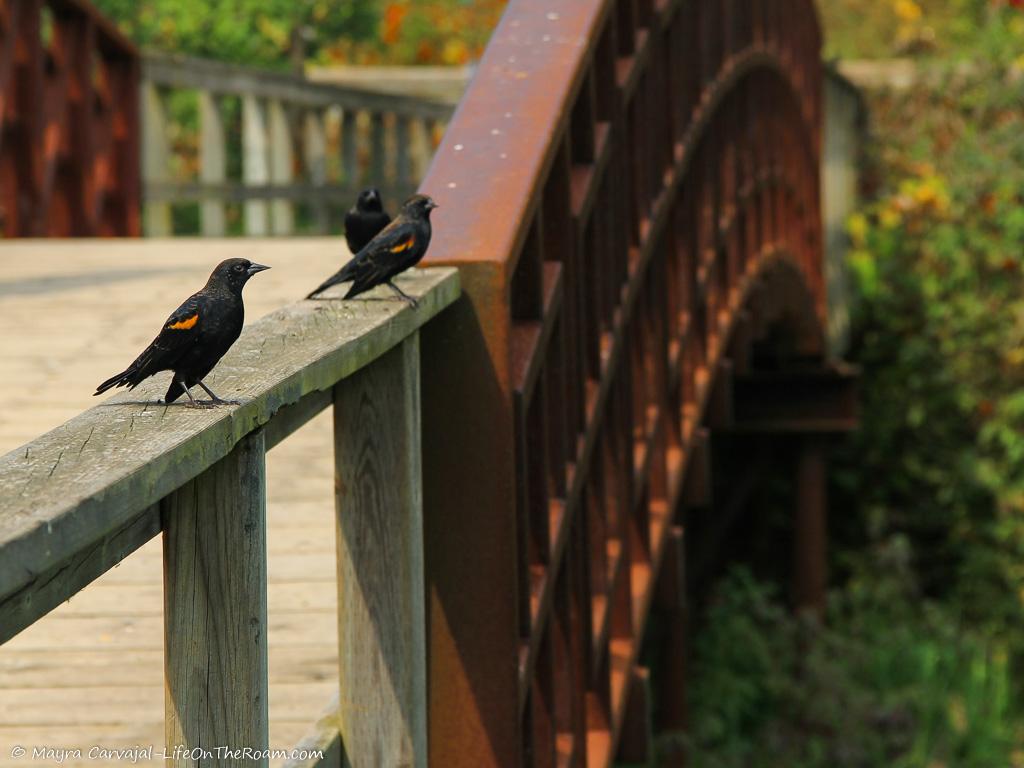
<point x="364" y="220"/>
<point x="195" y="337"/>
<point x="399" y="246"/>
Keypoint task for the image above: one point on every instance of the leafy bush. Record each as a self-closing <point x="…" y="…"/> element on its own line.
<point x="260" y="32"/>
<point x="940" y="337"/>
<point x="889" y="682"/>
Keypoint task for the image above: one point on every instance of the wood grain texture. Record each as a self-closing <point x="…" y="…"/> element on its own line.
<point x="324" y="738"/>
<point x="381" y="613"/>
<point x="80" y="483"/>
<point x="215" y="608"/>
<point x="50" y="589"/>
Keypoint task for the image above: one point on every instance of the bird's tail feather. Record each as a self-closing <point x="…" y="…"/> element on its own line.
<point x="324" y="286"/>
<point x="343" y="275"/>
<point x="126" y="376"/>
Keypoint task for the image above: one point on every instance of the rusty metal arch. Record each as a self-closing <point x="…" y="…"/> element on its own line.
<point x="619" y="181"/>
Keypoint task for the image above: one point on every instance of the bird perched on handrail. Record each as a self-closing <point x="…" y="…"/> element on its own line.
<point x="195" y="337"/>
<point x="365" y="220"/>
<point x="399" y="246"/>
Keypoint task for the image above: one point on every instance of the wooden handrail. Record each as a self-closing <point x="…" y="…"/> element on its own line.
<point x="84" y="496"/>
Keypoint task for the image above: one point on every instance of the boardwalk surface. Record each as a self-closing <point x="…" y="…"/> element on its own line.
<point x="90" y="674"/>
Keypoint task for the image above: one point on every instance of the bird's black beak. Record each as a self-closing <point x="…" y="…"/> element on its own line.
<point x="432" y="205"/>
<point x="254" y="268"/>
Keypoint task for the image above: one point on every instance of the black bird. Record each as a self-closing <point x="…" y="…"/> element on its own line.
<point x="400" y="245"/>
<point x="364" y="220"/>
<point x="195" y="337"/>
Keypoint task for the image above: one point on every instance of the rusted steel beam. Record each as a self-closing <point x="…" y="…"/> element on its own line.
<point x="820" y="401"/>
<point x="69" y="162"/>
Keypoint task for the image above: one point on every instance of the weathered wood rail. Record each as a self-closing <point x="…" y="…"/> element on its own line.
<point x="83" y="497"/>
<point x="300" y="143"/>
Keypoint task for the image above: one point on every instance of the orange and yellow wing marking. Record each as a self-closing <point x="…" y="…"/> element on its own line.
<point x="405" y="246"/>
<point x="184" y="325"/>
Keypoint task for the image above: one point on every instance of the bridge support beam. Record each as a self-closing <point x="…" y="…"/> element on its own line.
<point x="810" y="526"/>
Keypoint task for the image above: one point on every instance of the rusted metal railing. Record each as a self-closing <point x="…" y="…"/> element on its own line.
<point x="630" y="188"/>
<point x="69" y="155"/>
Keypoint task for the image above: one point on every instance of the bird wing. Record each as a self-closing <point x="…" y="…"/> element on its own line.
<point x="382" y="258"/>
<point x="180" y="331"/>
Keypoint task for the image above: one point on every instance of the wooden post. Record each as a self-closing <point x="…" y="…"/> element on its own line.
<point x="403" y="147"/>
<point x="435" y="130"/>
<point x="811" y="538"/>
<point x="316" y="165"/>
<point x="155" y="158"/>
<point x="282" y="215"/>
<point x="377" y="149"/>
<point x="255" y="162"/>
<point x="381" y="593"/>
<point x="212" y="163"/>
<point x="349" y="158"/>
<point x="215" y="609"/>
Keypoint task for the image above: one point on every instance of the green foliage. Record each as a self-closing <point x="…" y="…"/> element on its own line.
<point x="891" y="682"/>
<point x="956" y="29"/>
<point x="940" y="337"/>
<point x="256" y="32"/>
<point x="261" y="32"/>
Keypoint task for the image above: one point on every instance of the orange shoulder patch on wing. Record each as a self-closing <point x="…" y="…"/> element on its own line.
<point x="184" y="325"/>
<point x="404" y="246"/>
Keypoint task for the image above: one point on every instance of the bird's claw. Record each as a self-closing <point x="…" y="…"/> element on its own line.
<point x="198" y="404"/>
<point x="207" y="404"/>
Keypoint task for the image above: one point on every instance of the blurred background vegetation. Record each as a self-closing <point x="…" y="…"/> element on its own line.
<point x="921" y="662"/>
<point x="280" y="33"/>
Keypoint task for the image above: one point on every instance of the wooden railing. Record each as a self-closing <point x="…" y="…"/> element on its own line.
<point x="302" y="146"/>
<point x="81" y="498"/>
<point x="630" y="190"/>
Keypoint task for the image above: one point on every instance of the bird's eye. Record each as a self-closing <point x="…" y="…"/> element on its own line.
<point x="239" y="268"/>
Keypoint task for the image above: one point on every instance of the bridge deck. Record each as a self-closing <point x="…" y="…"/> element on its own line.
<point x="91" y="673"/>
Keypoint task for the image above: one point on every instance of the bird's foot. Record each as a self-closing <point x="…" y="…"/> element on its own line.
<point x="403" y="295"/>
<point x="197" y="404"/>
<point x="215" y="401"/>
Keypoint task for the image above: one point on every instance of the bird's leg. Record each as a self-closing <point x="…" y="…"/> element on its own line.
<point x="412" y="302"/>
<point x="214" y="400"/>
<point x="192" y="402"/>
